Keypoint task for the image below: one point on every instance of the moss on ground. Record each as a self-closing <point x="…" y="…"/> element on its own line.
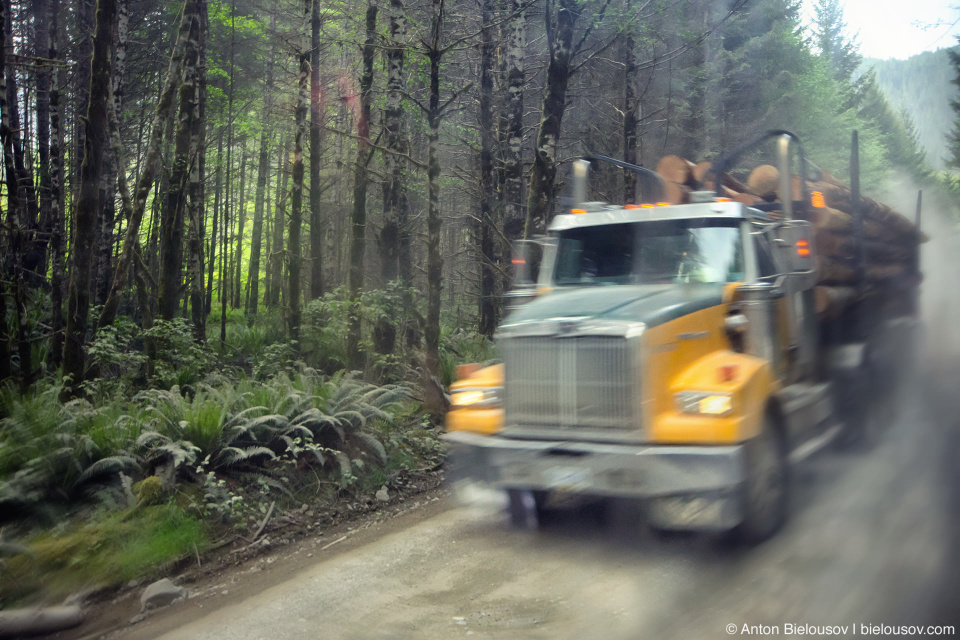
<point x="109" y="549"/>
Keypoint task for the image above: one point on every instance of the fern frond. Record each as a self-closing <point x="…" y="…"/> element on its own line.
<point x="106" y="466"/>
<point x="343" y="461"/>
<point x="373" y="445"/>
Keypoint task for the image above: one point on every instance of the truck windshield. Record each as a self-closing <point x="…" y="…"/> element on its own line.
<point x="675" y="251"/>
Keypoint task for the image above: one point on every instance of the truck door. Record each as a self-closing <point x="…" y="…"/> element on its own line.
<point x="794" y="256"/>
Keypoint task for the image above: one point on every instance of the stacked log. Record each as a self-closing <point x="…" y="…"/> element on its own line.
<point x="890" y="239"/>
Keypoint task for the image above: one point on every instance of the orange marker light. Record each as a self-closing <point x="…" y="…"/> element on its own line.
<point x="803" y="248"/>
<point x="727" y="372"/>
<point x="663" y="204"/>
<point x="462" y="371"/>
<point x="518" y="261"/>
<point x="724" y="200"/>
<point x="578" y="210"/>
<point x="817" y="200"/>
<point x="630" y="206"/>
<point x="646" y="206"/>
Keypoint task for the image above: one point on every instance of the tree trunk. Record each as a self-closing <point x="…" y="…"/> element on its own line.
<point x="316" y="228"/>
<point x="196" y="191"/>
<point x="561" y="17"/>
<point x="42" y="49"/>
<point x="434" y="222"/>
<point x="11" y="240"/>
<point x="485" y="223"/>
<point x="108" y="187"/>
<point x="172" y="218"/>
<point x="393" y="137"/>
<point x="28" y="252"/>
<point x="296" y="193"/>
<point x="17" y="217"/>
<point x="217" y="203"/>
<point x="227" y="272"/>
<point x="276" y="254"/>
<point x="145" y="181"/>
<point x="81" y="248"/>
<point x="513" y="152"/>
<point x="241" y="208"/>
<point x="84" y="12"/>
<point x="630" y="106"/>
<point x="263" y="168"/>
<point x="358" y="218"/>
<point x="394" y="237"/>
<point x="56" y="197"/>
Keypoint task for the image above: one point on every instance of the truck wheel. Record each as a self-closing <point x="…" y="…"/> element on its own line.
<point x="765" y="494"/>
<point x="526" y="507"/>
<point x="861" y="414"/>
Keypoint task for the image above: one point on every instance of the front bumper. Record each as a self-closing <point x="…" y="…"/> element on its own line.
<point x="688" y="486"/>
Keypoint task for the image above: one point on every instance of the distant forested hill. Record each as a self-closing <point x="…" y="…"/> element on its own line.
<point x="922" y="85"/>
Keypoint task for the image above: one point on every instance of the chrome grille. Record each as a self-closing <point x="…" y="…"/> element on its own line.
<point x="584" y="382"/>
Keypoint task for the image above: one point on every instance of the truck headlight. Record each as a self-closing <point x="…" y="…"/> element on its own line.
<point x="477" y="397"/>
<point x="707" y="403"/>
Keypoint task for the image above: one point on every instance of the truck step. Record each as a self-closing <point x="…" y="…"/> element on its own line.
<point x="816" y="444"/>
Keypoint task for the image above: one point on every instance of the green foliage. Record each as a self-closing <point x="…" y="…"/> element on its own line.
<point x="326" y="324"/>
<point x="114" y="355"/>
<point x="51" y="451"/>
<point x="463" y="347"/>
<point x="107" y="550"/>
<point x="953" y="148"/>
<point x="839" y="51"/>
<point x="180" y="359"/>
<point x="78" y="452"/>
<point x="922" y="86"/>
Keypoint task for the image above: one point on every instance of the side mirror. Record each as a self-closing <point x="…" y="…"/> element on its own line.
<point x="525" y="260"/>
<point x="795" y="244"/>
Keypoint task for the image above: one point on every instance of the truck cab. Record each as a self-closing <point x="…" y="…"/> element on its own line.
<point x="669" y="353"/>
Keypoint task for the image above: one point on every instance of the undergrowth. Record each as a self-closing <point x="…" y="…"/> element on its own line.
<point x="160" y="456"/>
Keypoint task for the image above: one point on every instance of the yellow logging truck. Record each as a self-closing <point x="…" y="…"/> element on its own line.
<point x="675" y="354"/>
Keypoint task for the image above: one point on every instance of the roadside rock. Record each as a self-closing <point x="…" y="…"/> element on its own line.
<point x="383" y="495"/>
<point x="22" y="622"/>
<point x="160" y="594"/>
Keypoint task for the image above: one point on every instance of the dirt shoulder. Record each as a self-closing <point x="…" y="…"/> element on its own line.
<point x="235" y="570"/>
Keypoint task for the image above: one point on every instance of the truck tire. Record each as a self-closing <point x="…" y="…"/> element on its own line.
<point x="765" y="493"/>
<point x="526" y="507"/>
<point x="861" y="413"/>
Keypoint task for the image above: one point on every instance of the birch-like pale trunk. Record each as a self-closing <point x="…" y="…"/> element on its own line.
<point x="630" y="107"/>
<point x="513" y="111"/>
<point x="561" y="17"/>
<point x="484" y="227"/>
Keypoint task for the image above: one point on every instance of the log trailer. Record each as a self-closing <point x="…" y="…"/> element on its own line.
<point x="679" y="355"/>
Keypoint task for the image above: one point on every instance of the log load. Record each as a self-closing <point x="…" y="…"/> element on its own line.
<point x="890" y="239"/>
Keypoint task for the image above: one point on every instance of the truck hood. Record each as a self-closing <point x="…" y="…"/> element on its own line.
<point x="649" y="304"/>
